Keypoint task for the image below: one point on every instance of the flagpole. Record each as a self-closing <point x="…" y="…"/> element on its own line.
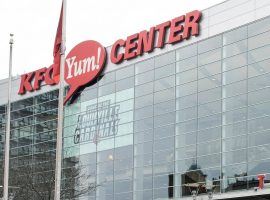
<point x="7" y="138"/>
<point x="59" y="144"/>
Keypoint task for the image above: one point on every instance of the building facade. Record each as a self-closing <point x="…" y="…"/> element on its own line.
<point x="189" y="119"/>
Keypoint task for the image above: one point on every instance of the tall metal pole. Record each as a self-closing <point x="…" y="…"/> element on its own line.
<point x="7" y="138"/>
<point x="59" y="144"/>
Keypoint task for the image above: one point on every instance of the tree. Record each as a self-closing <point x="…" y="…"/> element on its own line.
<point x="32" y="182"/>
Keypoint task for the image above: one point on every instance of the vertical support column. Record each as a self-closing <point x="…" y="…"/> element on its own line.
<point x="59" y="143"/>
<point x="7" y="138"/>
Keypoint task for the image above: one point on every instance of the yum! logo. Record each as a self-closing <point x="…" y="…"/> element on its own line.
<point x="84" y="63"/>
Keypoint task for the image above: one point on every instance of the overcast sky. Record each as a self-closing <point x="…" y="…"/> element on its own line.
<point x="34" y="23"/>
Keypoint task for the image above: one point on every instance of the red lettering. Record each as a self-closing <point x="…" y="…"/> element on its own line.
<point x="39" y="77"/>
<point x="117" y="57"/>
<point x="131" y="45"/>
<point x="25" y="85"/>
<point x="146" y="41"/>
<point x="192" y="24"/>
<point x="48" y="76"/>
<point x="175" y="29"/>
<point x="161" y="28"/>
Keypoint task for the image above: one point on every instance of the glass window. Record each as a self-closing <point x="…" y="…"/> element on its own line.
<point x="261" y="138"/>
<point x="209" y="70"/>
<point x="142" y="160"/>
<point x="186" y="64"/>
<point x="185" y="152"/>
<point x="124" y="140"/>
<point x="210" y="44"/>
<point x="259" y="41"/>
<point x="186" y="114"/>
<point x="164" y="83"/>
<point x="144" y="89"/>
<point x="164" y="119"/>
<point x="144" y="112"/>
<point x="163" y="144"/>
<point x="234" y="157"/>
<point x="209" y="82"/>
<point x="236" y="170"/>
<point x="210" y="121"/>
<point x="144" y="77"/>
<point x="259" y="54"/>
<point x="235" y="48"/>
<point x="234" y="143"/>
<point x="185" y="127"/>
<point x="259" y="27"/>
<point x="209" y="95"/>
<point x="165" y="71"/>
<point x="124" y="72"/>
<point x="259" y="68"/>
<point x="143" y="148"/>
<point x="186" y="76"/>
<point x="125" y="95"/>
<point x="234" y="129"/>
<point x="166" y="131"/>
<point x="144" y="124"/>
<point x="186" y="89"/>
<point x="234" y="102"/>
<point x="234" y="89"/>
<point x="235" y="35"/>
<point x="125" y="84"/>
<point x="122" y="186"/>
<point x="259" y="96"/>
<point x="234" y="75"/>
<point x="255" y="168"/>
<point x="187" y="101"/>
<point x="259" y="110"/>
<point x="209" y="108"/>
<point x="126" y="117"/>
<point x="164" y="107"/>
<point x="145" y="136"/>
<point x="144" y="101"/>
<point x="184" y="165"/>
<point x="165" y="59"/>
<point x="259" y="82"/>
<point x="209" y="134"/>
<point x="167" y="168"/>
<point x="107" y="78"/>
<point x="184" y="140"/>
<point x="124" y="106"/>
<point x="235" y="116"/>
<point x="106" y="89"/>
<point x="164" y="95"/>
<point x="209" y="161"/>
<point x="22" y="104"/>
<point x="144" y="66"/>
<point x="259" y="153"/>
<point x="124" y="129"/>
<point x="259" y="124"/>
<point x="89" y="94"/>
<point x="209" y="57"/>
<point x="209" y="148"/>
<point x="234" y="62"/>
<point x="186" y="52"/>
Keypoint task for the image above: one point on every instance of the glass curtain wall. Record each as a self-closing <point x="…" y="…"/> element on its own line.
<point x="32" y="147"/>
<point x="194" y="118"/>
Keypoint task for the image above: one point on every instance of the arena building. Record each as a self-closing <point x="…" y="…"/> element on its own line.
<point x="183" y="117"/>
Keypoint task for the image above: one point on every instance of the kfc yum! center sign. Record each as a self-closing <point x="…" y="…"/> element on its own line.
<point x="86" y="61"/>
